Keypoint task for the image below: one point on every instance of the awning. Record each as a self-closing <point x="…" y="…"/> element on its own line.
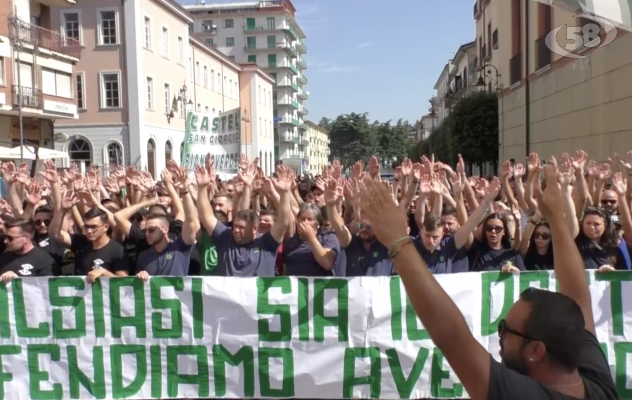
<point x="7" y="153"/>
<point x="619" y="12"/>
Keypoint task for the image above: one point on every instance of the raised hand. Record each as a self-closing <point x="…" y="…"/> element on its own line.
<point x="23" y="173"/>
<point x="457" y="184"/>
<point x="566" y="175"/>
<point x="492" y="190"/>
<point x="33" y="192"/>
<point x="424" y="185"/>
<point x="202" y="177"/>
<point x="436" y="186"/>
<point x="507" y="170"/>
<point x="336" y="168"/>
<point x="358" y="169"/>
<point x="248" y="175"/>
<point x="627" y="164"/>
<point x="374" y="167"/>
<point x="283" y="182"/>
<point x="460" y="166"/>
<point x="332" y="196"/>
<point x="388" y="222"/>
<point x="552" y="200"/>
<point x="604" y="172"/>
<point x="8" y="171"/>
<point x="69" y="200"/>
<point x="533" y="163"/>
<point x="407" y="167"/>
<point x="518" y="171"/>
<point x="619" y="184"/>
<point x="50" y="172"/>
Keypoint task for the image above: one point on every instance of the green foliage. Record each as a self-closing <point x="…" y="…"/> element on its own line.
<point x="471" y="130"/>
<point x="353" y="138"/>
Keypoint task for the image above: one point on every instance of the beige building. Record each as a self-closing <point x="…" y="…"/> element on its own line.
<point x="569" y="103"/>
<point x="318" y="148"/>
<point x="141" y="71"/>
<point x="37" y="67"/>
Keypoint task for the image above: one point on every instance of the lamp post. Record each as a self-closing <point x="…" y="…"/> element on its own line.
<point x="485" y="72"/>
<point x="184" y="99"/>
<point x="499" y="87"/>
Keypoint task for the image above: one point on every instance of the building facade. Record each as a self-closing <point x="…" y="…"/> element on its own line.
<point x="37" y="72"/>
<point x="142" y="72"/>
<point x="318" y="148"/>
<point x="265" y="33"/>
<point x="552" y="104"/>
<point x="440" y="101"/>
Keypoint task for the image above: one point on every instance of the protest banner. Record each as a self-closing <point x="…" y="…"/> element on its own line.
<point x="218" y="134"/>
<point x="173" y="337"/>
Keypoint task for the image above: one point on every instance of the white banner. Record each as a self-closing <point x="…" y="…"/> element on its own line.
<point x="63" y="338"/>
<point x="218" y="134"/>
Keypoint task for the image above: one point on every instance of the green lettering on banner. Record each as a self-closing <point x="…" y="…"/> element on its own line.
<point x="412" y="322"/>
<point x="588" y="279"/>
<point x="7" y="350"/>
<point x="173" y="305"/>
<point x="117" y="351"/>
<point x="396" y="308"/>
<point x="341" y="320"/>
<point x="138" y="319"/>
<point x="303" y="309"/>
<point x="489" y="327"/>
<point x="42" y="330"/>
<point x="245" y="356"/>
<point x="98" y="316"/>
<point x="95" y="387"/>
<point x="621" y="351"/>
<point x="438" y="374"/>
<point x="76" y="302"/>
<point x="5" y="323"/>
<point x="36" y="375"/>
<point x="175" y="379"/>
<point x="287" y="387"/>
<point x="374" y="380"/>
<point x="155" y="359"/>
<point x="405" y="386"/>
<point x="616" y="299"/>
<point x="198" y="309"/>
<point x="604" y="349"/>
<point x="282" y="310"/>
<point x="541" y="276"/>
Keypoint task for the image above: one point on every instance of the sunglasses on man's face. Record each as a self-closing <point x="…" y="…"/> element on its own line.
<point x="151" y="230"/>
<point x="91" y="228"/>
<point x="10" y="238"/>
<point x="542" y="235"/>
<point x="495" y="229"/>
<point x="39" y="222"/>
<point x="608" y="202"/>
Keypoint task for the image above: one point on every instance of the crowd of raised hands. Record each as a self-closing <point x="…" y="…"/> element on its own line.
<point x="340" y="223"/>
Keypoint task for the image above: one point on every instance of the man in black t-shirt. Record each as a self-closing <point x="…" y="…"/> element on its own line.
<point x="97" y="254"/>
<point x="21" y="258"/>
<point x="42" y="219"/>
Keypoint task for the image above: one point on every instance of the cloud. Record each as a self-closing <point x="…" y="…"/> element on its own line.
<point x="336" y="68"/>
<point x="365" y="44"/>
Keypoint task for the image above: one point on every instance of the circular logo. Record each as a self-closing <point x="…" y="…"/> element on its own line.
<point x="169" y="256"/>
<point x="256" y="250"/>
<point x="375" y="254"/>
<point x="441" y="259"/>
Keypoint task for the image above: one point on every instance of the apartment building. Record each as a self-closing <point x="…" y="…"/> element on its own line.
<point x="441" y="101"/>
<point x="549" y="103"/>
<point x="265" y="33"/>
<point x="141" y="72"/>
<point x="37" y="66"/>
<point x="318" y="148"/>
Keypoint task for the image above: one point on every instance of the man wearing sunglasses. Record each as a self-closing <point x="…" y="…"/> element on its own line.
<point x="21" y="258"/>
<point x="42" y="219"/>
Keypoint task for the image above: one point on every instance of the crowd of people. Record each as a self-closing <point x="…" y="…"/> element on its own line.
<point x="431" y="219"/>
<point x="125" y="223"/>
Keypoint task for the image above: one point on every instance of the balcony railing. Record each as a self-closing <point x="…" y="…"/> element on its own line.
<point x="294" y="104"/>
<point x="543" y="53"/>
<point x="294" y="69"/>
<point x="37" y="36"/>
<point x="31" y="98"/>
<point x="515" y="69"/>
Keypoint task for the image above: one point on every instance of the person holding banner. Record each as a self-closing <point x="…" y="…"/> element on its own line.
<point x="548" y="344"/>
<point x="20" y="257"/>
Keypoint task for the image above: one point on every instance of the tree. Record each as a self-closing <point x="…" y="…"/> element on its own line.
<point x="351" y="139"/>
<point x="325" y="123"/>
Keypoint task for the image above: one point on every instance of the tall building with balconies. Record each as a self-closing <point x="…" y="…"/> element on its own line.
<point x="265" y="33"/>
<point x="317" y="149"/>
<point x="37" y="78"/>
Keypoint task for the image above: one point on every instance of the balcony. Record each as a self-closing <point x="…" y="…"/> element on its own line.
<point x="301" y="64"/>
<point x="294" y="87"/>
<point x="302" y="79"/>
<point x="286" y="83"/>
<point x="515" y="69"/>
<point x="286" y="120"/>
<point x="300" y="46"/>
<point x="295" y="122"/>
<point x="290" y="31"/>
<point x="543" y="53"/>
<point x="41" y="38"/>
<point x="261" y="28"/>
<point x="288" y="49"/>
<point x="304" y="141"/>
<point x="303" y="95"/>
<point x="294" y="69"/>
<point x="31" y="98"/>
<point x="477" y="13"/>
<point x="294" y="104"/>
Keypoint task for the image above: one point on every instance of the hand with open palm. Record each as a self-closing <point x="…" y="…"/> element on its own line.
<point x="387" y="221"/>
<point x="332" y="196"/>
<point x="283" y="181"/>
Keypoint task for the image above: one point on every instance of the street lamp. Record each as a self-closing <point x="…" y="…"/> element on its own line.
<point x="481" y="78"/>
<point x="183" y="98"/>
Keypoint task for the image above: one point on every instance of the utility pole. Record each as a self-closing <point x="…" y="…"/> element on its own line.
<point x="16" y="43"/>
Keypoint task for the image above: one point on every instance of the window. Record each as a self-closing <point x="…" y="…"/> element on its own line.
<point x="207" y="25"/>
<point x="212" y="79"/>
<point x="56" y="83"/>
<point x="230" y="88"/>
<point x="224" y="87"/>
<point x="71" y="25"/>
<point x="167" y="98"/>
<point x="148" y="33"/>
<point x="150" y="93"/>
<point x="209" y="42"/>
<point x="190" y="69"/>
<point x="108" y="30"/>
<point x="168" y="151"/>
<point x="199" y="107"/>
<point x="165" y="42"/>
<point x="271" y="23"/>
<point x="229" y="23"/>
<point x="206" y="109"/>
<point x="115" y="154"/>
<point x="252" y="58"/>
<point x="151" y="157"/>
<point x="205" y="76"/>
<point x="197" y="72"/>
<point x="180" y="50"/>
<point x="110" y="91"/>
<point x="81" y="94"/>
<point x="251" y="42"/>
<point x="230" y="42"/>
<point x="219" y="83"/>
<point x="79" y="150"/>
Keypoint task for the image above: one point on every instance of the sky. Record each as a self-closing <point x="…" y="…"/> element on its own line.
<point x="381" y="57"/>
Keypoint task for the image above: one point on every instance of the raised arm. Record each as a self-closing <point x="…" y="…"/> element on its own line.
<point x="332" y="196"/>
<point x="69" y="201"/>
<point x="569" y="266"/>
<point x="464" y="236"/>
<point x="283" y="186"/>
<point x="204" y="176"/>
<point x="190" y="225"/>
<point x="436" y="310"/>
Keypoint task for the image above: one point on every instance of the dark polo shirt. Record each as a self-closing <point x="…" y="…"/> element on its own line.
<point x="446" y="258"/>
<point x="373" y="261"/>
<point x="172" y="261"/>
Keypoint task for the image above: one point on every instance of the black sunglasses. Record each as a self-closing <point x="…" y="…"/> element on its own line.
<point x="496" y="229"/>
<point x="502" y="328"/>
<point x="608" y="202"/>
<point x="543" y="235"/>
<point x="39" y="222"/>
